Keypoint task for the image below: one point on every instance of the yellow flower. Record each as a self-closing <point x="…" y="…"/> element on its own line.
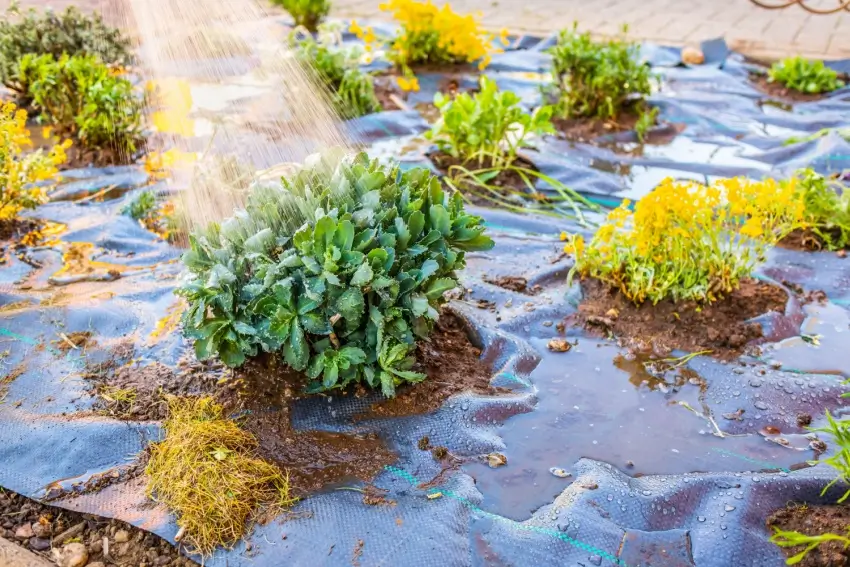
<point x="503" y="36"/>
<point x="408" y="84"/>
<point x="355" y="28"/>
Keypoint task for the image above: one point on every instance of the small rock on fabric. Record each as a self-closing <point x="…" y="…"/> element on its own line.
<point x="122" y="536"/>
<point x="559" y="345"/>
<point x="24" y="532"/>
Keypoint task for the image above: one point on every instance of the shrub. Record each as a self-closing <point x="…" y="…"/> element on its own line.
<point x="488" y="127"/>
<point x="142" y="207"/>
<point x="82" y="97"/>
<point x="433" y="35"/>
<point x="804" y="75"/>
<point x="827" y="209"/>
<point x="341" y="269"/>
<point x="48" y="33"/>
<point x="307" y="13"/>
<point x="839" y="430"/>
<point x="206" y="471"/>
<point x="160" y="218"/>
<point x="353" y="93"/>
<point x="20" y="175"/>
<point x="687" y="241"/>
<point x="598" y="79"/>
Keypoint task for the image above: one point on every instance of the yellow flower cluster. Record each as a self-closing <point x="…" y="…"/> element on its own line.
<point x="688" y="241"/>
<point x="19" y="173"/>
<point x="431" y="34"/>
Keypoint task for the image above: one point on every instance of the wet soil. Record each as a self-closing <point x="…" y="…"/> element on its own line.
<point x="39" y="527"/>
<point x="589" y="129"/>
<point x="720" y="327"/>
<point x="807" y="241"/>
<point x="506" y="183"/>
<point x="781" y="92"/>
<point x="453" y="365"/>
<point x="388" y="93"/>
<point x="815" y="520"/>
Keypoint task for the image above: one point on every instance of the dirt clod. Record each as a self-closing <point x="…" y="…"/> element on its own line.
<point x="424" y="443"/>
<point x="559" y="345"/>
<point x="815" y="520"/>
<point x="720" y="327"/>
<point x="804" y="419"/>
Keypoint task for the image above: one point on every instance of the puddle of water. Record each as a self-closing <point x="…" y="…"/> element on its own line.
<point x="593" y="403"/>
<point x="822" y="347"/>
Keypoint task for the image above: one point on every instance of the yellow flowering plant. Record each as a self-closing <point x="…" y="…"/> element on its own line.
<point x="21" y="175"/>
<point x="688" y="241"/>
<point x="430" y="34"/>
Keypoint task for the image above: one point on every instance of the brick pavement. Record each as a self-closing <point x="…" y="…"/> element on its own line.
<point x="752" y="30"/>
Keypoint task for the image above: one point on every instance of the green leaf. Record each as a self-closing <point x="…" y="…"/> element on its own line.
<point x="440" y="286"/>
<point x="387" y="384"/>
<point x="350" y="304"/>
<point x="440" y="221"/>
<point x="363" y="275"/>
<point x="296" y="353"/>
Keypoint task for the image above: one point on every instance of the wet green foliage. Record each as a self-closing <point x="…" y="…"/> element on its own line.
<point x="307" y="13"/>
<point x="598" y="79"/>
<point x="827" y="209"/>
<point x="352" y="90"/>
<point x="340" y="269"/>
<point x="804" y="75"/>
<point x="142" y="207"/>
<point x="839" y="431"/>
<point x="49" y="33"/>
<point x="487" y="127"/>
<point x="83" y="98"/>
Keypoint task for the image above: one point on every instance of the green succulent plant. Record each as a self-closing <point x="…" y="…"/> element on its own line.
<point x="804" y="75"/>
<point x="341" y="269"/>
<point x="48" y="33"/>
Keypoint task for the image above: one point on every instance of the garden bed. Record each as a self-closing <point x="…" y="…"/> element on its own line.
<point x="602" y="458"/>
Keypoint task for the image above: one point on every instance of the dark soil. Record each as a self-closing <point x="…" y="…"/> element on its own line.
<point x="815" y="520"/>
<point x="386" y="89"/>
<point x="781" y="92"/>
<point x="807" y="241"/>
<point x="720" y="327"/>
<point x="589" y="129"/>
<point x="506" y="182"/>
<point x="79" y="340"/>
<point x="453" y="365"/>
<point x="39" y="528"/>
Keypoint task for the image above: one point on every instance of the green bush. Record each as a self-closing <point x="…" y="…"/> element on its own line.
<point x="352" y="90"/>
<point x="307" y="13"/>
<point x="48" y="33"/>
<point x="598" y="79"/>
<point x="827" y="209"/>
<point x="804" y="75"/>
<point x="487" y="127"/>
<point x="341" y="269"/>
<point x="142" y="207"/>
<point x="83" y="98"/>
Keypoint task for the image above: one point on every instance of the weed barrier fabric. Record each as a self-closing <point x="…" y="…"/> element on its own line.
<point x="651" y="482"/>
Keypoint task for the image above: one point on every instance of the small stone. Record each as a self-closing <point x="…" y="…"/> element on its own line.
<point x="41" y="530"/>
<point x="96" y="546"/>
<point x="123" y="548"/>
<point x="559" y="345"/>
<point x="692" y="56"/>
<point x="547" y="323"/>
<point x="39" y="544"/>
<point x="804" y="419"/>
<point x="24" y="532"/>
<point x="817" y="446"/>
<point x="122" y="536"/>
<point x="612" y="313"/>
<point x="630" y="464"/>
<point x="841" y="253"/>
<point x="496" y="460"/>
<point x="163" y="560"/>
<point x="560" y="473"/>
<point x="737" y="340"/>
<point x="590" y="485"/>
<point x="71" y="555"/>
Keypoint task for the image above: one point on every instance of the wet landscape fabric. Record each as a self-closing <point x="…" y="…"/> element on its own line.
<point x="599" y="460"/>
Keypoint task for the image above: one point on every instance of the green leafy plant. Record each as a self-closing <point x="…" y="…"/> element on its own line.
<point x="839" y="430"/>
<point x="49" y="33"/>
<point x="341" y="269"/>
<point x="353" y="92"/>
<point x="804" y="75"/>
<point x="487" y="127"/>
<point x="83" y="98"/>
<point x="599" y="79"/>
<point x="143" y="206"/>
<point x="307" y="13"/>
<point x="827" y="210"/>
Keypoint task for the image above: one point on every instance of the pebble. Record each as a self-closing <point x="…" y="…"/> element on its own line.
<point x="39" y="544"/>
<point x="560" y="473"/>
<point x="71" y="555"/>
<point x="41" y="530"/>
<point x="559" y="345"/>
<point x="24" y="532"/>
<point x="122" y="536"/>
<point x="496" y="460"/>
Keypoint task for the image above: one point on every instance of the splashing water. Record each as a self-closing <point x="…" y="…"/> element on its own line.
<point x="227" y="88"/>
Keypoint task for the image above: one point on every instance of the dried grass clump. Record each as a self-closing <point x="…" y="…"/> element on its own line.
<point x="206" y="471"/>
